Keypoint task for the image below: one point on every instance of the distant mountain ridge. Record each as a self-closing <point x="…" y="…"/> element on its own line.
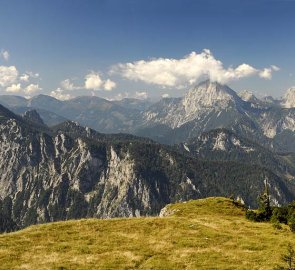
<point x="207" y="106"/>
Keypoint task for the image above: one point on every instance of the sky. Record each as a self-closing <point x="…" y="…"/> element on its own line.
<point x="145" y="48"/>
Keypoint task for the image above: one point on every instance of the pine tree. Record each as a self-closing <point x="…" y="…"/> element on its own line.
<point x="264" y="203"/>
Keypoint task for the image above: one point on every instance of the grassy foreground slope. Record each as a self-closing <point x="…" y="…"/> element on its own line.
<point x="204" y="234"/>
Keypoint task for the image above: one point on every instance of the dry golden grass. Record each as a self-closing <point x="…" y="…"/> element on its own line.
<point x="203" y="234"/>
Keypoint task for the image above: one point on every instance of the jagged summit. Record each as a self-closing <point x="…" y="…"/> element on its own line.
<point x="209" y="95"/>
<point x="288" y="100"/>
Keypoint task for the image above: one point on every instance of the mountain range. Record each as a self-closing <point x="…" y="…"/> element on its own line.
<point x="70" y="171"/>
<point x="212" y="142"/>
<point x="207" y="106"/>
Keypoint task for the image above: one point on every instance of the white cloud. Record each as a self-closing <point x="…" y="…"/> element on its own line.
<point x="93" y="81"/>
<point x="68" y="85"/>
<point x="141" y="95"/>
<point x="138" y="95"/>
<point x="8" y="75"/>
<point x="59" y="94"/>
<point x="5" y="55"/>
<point x="33" y="75"/>
<point x="25" y="77"/>
<point x="32" y="88"/>
<point x="275" y="68"/>
<point x="266" y="73"/>
<point x="167" y="72"/>
<point x="14" y="88"/>
<point x="165" y="96"/>
<point x="109" y="85"/>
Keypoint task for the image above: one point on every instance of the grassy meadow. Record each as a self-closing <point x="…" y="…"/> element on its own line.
<point x="203" y="234"/>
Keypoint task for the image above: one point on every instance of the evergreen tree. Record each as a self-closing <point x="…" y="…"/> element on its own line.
<point x="264" y="203"/>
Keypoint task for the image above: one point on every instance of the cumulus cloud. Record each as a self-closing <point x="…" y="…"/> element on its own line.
<point x="25" y="77"/>
<point x="5" y="55"/>
<point x="32" y="88"/>
<point x="59" y="94"/>
<point x="12" y="81"/>
<point x="68" y="85"/>
<point x="14" y="88"/>
<point x="266" y="73"/>
<point x="141" y="95"/>
<point x="109" y="85"/>
<point x="8" y="75"/>
<point x="167" y="72"/>
<point x="93" y="81"/>
<point x="33" y="75"/>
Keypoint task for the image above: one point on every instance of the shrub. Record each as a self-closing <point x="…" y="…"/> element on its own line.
<point x="251" y="215"/>
<point x="280" y="214"/>
<point x="277" y="225"/>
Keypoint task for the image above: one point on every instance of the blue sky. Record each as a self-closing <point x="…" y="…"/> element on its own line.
<point x="82" y="41"/>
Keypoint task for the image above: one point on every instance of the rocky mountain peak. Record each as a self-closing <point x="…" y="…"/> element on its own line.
<point x="289" y="98"/>
<point x="209" y="94"/>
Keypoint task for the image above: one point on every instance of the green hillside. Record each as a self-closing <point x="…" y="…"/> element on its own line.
<point x="204" y="234"/>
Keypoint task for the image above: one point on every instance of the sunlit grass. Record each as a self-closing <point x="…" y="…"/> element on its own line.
<point x="204" y="234"/>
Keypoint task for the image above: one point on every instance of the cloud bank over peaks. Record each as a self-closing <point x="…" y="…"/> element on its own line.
<point x="179" y="73"/>
<point x="92" y="81"/>
<point x="32" y="89"/>
<point x="59" y="94"/>
<point x="14" y="88"/>
<point x="142" y="95"/>
<point x="12" y="82"/>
